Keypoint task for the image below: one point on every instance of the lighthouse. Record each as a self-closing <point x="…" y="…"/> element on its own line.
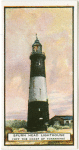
<point x="38" y="112"/>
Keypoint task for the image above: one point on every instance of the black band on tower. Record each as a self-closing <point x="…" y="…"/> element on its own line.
<point x="38" y="115"/>
<point x="37" y="65"/>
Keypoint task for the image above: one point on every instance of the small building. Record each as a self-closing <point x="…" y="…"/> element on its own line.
<point x="61" y="120"/>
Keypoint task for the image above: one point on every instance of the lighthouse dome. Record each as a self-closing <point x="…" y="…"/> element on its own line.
<point x="37" y="47"/>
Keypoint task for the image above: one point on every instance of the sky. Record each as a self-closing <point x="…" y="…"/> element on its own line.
<point x="54" y="30"/>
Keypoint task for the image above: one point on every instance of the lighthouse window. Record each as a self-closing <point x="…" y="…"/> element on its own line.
<point x="38" y="109"/>
<point x="40" y="91"/>
<point x="35" y="48"/>
<point x="40" y="118"/>
<point x="39" y="63"/>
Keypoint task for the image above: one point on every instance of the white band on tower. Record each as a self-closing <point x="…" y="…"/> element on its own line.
<point x="37" y="91"/>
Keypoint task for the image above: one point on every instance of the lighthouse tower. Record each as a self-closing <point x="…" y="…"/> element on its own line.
<point x="38" y="114"/>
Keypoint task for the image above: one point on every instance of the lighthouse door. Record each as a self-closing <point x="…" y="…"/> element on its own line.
<point x="41" y="120"/>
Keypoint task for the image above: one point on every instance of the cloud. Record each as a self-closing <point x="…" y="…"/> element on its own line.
<point x="21" y="115"/>
<point x="60" y="104"/>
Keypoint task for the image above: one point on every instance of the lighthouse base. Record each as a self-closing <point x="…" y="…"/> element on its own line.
<point x="34" y="129"/>
<point x="37" y="116"/>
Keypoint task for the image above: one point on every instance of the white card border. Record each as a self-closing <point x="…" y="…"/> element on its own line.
<point x="43" y="3"/>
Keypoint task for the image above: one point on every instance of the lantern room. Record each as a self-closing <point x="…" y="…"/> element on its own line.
<point x="37" y="47"/>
